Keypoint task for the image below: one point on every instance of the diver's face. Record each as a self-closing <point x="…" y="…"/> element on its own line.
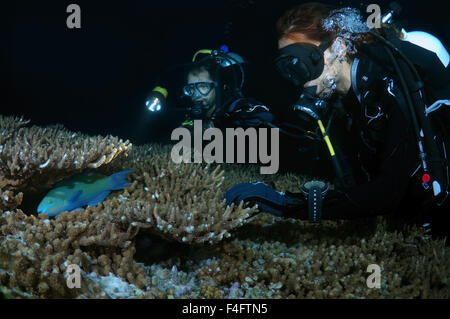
<point x="326" y="83"/>
<point x="330" y="81"/>
<point x="203" y="76"/>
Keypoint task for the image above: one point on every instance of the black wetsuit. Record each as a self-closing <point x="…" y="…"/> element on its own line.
<point x="383" y="151"/>
<point x="385" y="146"/>
<point x="238" y="111"/>
<point x="379" y="147"/>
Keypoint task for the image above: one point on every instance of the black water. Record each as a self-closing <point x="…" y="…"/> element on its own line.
<point x="96" y="78"/>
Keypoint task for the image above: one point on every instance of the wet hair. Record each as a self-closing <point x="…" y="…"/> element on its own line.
<point x="305" y="19"/>
<point x="199" y="67"/>
<point x="318" y="22"/>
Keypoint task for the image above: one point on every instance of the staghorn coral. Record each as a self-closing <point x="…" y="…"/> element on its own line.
<point x="9" y="200"/>
<point x="296" y="260"/>
<point x="179" y="202"/>
<point x="211" y="292"/>
<point x="113" y="287"/>
<point x="35" y="157"/>
<point x="36" y="252"/>
<point x="274" y="258"/>
<point x="267" y="257"/>
<point x="9" y="125"/>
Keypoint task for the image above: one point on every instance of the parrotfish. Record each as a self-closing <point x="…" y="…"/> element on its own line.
<point x="83" y="189"/>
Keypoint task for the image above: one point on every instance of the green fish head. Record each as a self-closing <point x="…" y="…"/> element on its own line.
<point x="51" y="205"/>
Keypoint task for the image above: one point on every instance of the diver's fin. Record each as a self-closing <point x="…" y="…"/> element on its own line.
<point x="75" y="197"/>
<point x="119" y="180"/>
<point x="98" y="199"/>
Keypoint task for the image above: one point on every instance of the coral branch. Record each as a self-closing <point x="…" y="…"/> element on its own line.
<point x="33" y="157"/>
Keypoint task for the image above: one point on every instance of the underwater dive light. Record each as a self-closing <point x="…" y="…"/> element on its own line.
<point x="395" y="10"/>
<point x="157" y="99"/>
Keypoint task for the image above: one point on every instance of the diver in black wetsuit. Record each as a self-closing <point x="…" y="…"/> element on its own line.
<point x="216" y="98"/>
<point x="345" y="65"/>
<point x="212" y="91"/>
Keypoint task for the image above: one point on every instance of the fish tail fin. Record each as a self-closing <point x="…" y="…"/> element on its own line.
<point x="119" y="179"/>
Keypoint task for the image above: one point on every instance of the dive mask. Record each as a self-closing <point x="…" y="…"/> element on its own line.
<point x="300" y="62"/>
<point x="201" y="87"/>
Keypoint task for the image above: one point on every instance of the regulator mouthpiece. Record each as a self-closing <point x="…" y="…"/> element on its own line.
<point x="309" y="107"/>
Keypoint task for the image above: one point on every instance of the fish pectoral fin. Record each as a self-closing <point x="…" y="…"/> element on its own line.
<point x="98" y="199"/>
<point x="75" y="197"/>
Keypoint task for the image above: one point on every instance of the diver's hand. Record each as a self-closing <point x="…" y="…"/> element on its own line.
<point x="268" y="200"/>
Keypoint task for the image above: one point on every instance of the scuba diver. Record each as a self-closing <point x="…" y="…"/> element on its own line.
<point x="201" y="88"/>
<point x="212" y="92"/>
<point x="390" y="88"/>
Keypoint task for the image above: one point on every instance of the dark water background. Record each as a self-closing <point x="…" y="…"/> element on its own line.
<point x="95" y="79"/>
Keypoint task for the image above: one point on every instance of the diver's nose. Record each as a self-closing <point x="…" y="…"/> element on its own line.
<point x="196" y="95"/>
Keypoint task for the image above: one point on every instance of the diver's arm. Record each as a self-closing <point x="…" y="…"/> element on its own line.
<point x="376" y="197"/>
<point x="248" y="112"/>
<point x="398" y="160"/>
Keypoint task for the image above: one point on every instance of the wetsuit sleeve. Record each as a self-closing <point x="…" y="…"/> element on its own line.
<point x="247" y="112"/>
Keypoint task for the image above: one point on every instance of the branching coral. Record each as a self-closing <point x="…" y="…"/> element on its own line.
<point x="331" y="261"/>
<point x="36" y="251"/>
<point x="9" y="200"/>
<point x="181" y="202"/>
<point x="268" y="257"/>
<point x="38" y="157"/>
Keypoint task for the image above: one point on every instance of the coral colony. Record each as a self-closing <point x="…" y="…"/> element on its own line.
<point x="222" y="252"/>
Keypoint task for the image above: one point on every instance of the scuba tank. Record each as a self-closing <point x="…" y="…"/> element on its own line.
<point x="420" y="51"/>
